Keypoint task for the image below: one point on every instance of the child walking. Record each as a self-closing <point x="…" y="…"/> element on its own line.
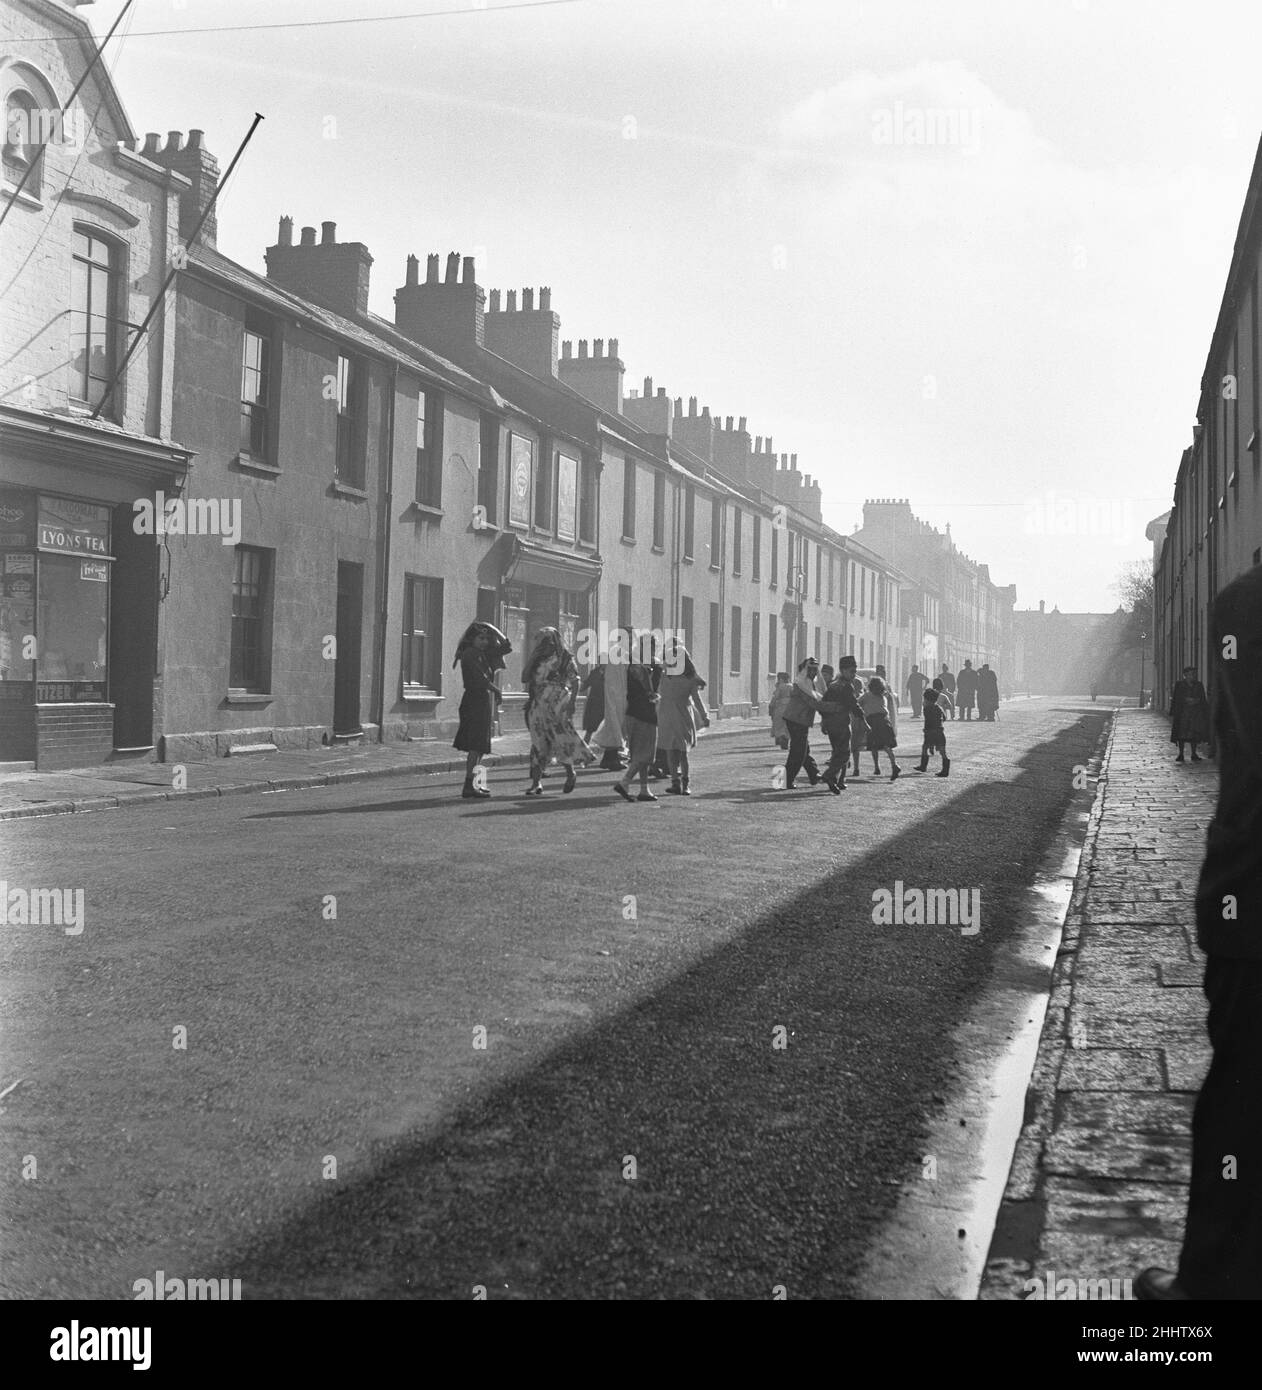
<point x="880" y="730"/>
<point x="935" y="734"/>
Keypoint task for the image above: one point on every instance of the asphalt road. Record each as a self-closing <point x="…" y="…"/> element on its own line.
<point x="630" y="1128"/>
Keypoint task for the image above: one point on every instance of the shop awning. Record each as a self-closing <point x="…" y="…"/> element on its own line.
<point x="533" y="563"/>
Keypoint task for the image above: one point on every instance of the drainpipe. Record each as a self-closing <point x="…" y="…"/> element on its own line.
<point x="384" y="552"/>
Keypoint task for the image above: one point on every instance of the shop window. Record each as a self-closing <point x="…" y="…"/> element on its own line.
<point x="93" y="319"/>
<point x="429" y="449"/>
<point x="251" y="615"/>
<point x="256" y="374"/>
<point x="422" y="662"/>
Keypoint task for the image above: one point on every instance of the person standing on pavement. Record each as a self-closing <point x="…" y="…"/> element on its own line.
<point x="837" y="707"/>
<point x="948" y="684"/>
<point x="917" y="682"/>
<point x="804" y="701"/>
<point x="966" y="686"/>
<point x="1222" y="1242"/>
<point x="644" y="680"/>
<point x="480" y="654"/>
<point x="875" y="708"/>
<point x="593" y="687"/>
<point x="776" y="707"/>
<point x="676" y="715"/>
<point x="551" y="681"/>
<point x="1189" y="712"/>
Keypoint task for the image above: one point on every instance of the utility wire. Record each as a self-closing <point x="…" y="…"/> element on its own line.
<point x="329" y="23"/>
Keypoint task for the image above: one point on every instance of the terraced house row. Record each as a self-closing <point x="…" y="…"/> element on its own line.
<point x="1213" y="532"/>
<point x="328" y="497"/>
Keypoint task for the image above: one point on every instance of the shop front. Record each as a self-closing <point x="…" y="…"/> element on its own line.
<point x="543" y="587"/>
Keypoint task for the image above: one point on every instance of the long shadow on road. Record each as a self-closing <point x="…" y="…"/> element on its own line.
<point x="673" y="1150"/>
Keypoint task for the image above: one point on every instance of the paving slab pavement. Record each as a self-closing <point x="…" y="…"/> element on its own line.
<point x="1098" y="1187"/>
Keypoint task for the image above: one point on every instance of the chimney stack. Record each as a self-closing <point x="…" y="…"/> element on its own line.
<point x="332" y="273"/>
<point x="446" y="314"/>
<point x="201" y="168"/>
<point x="599" y="378"/>
<point x="527" y="337"/>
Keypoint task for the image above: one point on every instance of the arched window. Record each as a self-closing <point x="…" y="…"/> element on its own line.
<point x="25" y="135"/>
<point x="93" y="317"/>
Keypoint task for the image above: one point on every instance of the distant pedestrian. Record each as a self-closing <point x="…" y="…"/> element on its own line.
<point x="838" y="706"/>
<point x="935" y="732"/>
<point x="880" y="732"/>
<point x="804" y="701"/>
<point x="776" y="707"/>
<point x="966" y="686"/>
<point x="551" y="680"/>
<point x="480" y="654"/>
<point x="677" y="716"/>
<point x="891" y="698"/>
<point x="1189" y="710"/>
<point x="1222" y="1243"/>
<point x="858" y="720"/>
<point x="917" y="682"/>
<point x="948" y="684"/>
<point x="609" y="734"/>
<point x="643" y="682"/>
<point x="987" y="693"/>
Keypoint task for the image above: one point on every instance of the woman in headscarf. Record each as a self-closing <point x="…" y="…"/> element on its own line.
<point x="676" y="717"/>
<point x="479" y="654"/>
<point x="609" y="737"/>
<point x="1189" y="708"/>
<point x="551" y="680"/>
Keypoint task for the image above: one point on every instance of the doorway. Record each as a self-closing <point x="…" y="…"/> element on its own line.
<point x="350" y="609"/>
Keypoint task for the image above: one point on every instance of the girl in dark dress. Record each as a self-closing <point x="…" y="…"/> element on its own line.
<point x="1189" y="709"/>
<point x="479" y="654"/>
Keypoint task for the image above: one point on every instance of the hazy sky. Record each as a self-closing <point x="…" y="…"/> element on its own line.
<point x="966" y="253"/>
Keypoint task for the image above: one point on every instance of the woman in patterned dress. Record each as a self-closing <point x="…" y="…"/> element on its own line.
<point x="676" y="715"/>
<point x="551" y="680"/>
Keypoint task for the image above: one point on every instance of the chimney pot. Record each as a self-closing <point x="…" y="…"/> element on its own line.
<point x="705" y="412"/>
<point x="495" y="302"/>
<point x="582" y="347"/>
<point x="598" y="347"/>
<point x="328" y="233"/>
<point x="741" y="425"/>
<point x="510" y="306"/>
<point x="692" y="405"/>
<point x="613" y="347"/>
<point x="728" y="425"/>
<point x="545" y="297"/>
<point x="757" y="444"/>
<point x="769" y="448"/>
<point x="285" y="235"/>
<point x="414" y="270"/>
<point x="195" y="139"/>
<point x="174" y="138"/>
<point x="527" y="300"/>
<point x="567" y="349"/>
<point x="648" y="385"/>
<point x="308" y="236"/>
<point x="152" y="140"/>
<point x="793" y="458"/>
<point x="469" y="277"/>
<point x="661" y="390"/>
<point x="453" y="267"/>
<point x="431" y="268"/>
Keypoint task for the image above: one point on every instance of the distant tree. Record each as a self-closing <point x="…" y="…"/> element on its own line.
<point x="1133" y="586"/>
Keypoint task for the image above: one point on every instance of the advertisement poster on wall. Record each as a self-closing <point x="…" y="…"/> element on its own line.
<point x="567" y="496"/>
<point x="520" y="467"/>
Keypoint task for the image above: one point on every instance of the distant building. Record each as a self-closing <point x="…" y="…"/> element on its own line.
<point x="1075" y="653"/>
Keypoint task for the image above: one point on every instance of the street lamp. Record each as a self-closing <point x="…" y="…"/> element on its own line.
<point x="1143" y="638"/>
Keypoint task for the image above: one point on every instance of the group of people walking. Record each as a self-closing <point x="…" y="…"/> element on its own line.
<point x="650" y="707"/>
<point x="854" y="716"/>
<point x="966" y="691"/>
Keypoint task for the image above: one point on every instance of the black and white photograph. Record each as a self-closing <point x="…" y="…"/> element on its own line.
<point x="630" y="667"/>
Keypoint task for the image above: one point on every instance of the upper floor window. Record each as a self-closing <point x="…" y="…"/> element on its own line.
<point x="545" y="489"/>
<point x="690" y="520"/>
<point x="349" y="462"/>
<point x="488" y="469"/>
<point x="757" y="548"/>
<point x="775" y="555"/>
<point x="737" y="523"/>
<point x="659" y="511"/>
<point x="628" y="498"/>
<point x="25" y="135"/>
<point x="588" y="483"/>
<point x="256" y="371"/>
<point x="93" y="318"/>
<point x="716" y="534"/>
<point x="429" y="449"/>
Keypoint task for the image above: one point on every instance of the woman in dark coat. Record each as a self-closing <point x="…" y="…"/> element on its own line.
<point x="593" y="687"/>
<point x="1189" y="711"/>
<point x="479" y="654"/>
